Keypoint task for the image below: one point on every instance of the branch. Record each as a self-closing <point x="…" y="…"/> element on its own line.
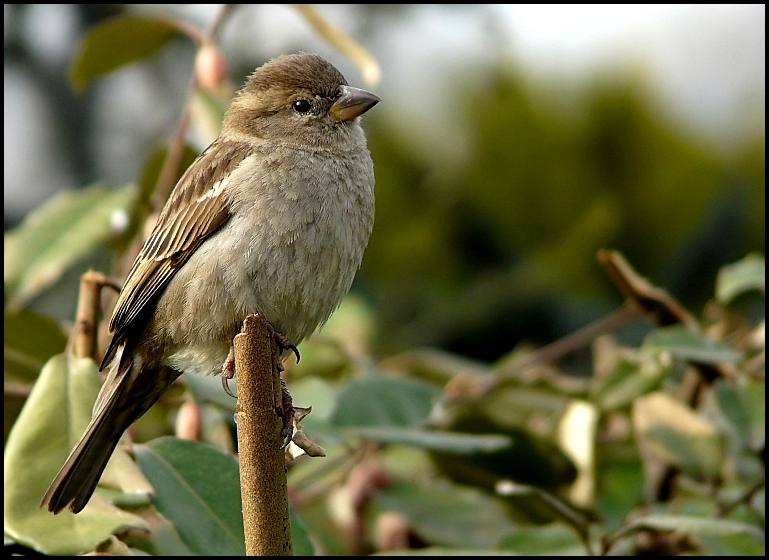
<point x="262" y="465"/>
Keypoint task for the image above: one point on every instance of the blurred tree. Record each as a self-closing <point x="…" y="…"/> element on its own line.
<point x="481" y="253"/>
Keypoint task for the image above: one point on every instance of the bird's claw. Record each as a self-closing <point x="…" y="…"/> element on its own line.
<point x="228" y="372"/>
<point x="284" y="343"/>
<point x="286" y="410"/>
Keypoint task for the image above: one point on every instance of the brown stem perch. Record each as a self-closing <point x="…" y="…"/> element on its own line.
<point x="262" y="464"/>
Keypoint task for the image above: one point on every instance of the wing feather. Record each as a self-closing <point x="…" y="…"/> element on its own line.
<point x="187" y="219"/>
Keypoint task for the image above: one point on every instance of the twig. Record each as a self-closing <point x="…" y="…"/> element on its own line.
<point x="579" y="338"/>
<point x="88" y="309"/>
<point x="176" y="147"/>
<point x="744" y="497"/>
<point x="216" y="26"/>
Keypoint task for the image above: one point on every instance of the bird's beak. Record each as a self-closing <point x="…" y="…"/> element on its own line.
<point x="352" y="103"/>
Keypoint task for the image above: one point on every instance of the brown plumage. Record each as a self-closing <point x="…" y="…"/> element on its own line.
<point x="272" y="218"/>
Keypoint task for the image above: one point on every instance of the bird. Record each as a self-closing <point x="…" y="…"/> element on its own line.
<point x="272" y="218"/>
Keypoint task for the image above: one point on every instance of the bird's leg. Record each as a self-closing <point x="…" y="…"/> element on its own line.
<point x="228" y="371"/>
<point x="286" y="413"/>
<point x="286" y="406"/>
<point x="228" y="367"/>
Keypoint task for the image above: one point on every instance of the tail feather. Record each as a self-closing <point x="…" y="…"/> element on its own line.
<point x="128" y="392"/>
<point x="77" y="479"/>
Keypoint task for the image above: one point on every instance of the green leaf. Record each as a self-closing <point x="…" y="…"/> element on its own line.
<point x="450" y="551"/>
<point x="197" y="489"/>
<point x="562" y="510"/>
<point x="743" y="404"/>
<point x="729" y="404"/>
<point x="511" y="405"/>
<point x="448" y="514"/>
<point x="619" y="482"/>
<point x="317" y="393"/>
<point x="300" y="538"/>
<point x="37" y="447"/>
<point x="30" y="341"/>
<point x="688" y="345"/>
<point x="740" y="277"/>
<point x="622" y="375"/>
<point x="554" y="539"/>
<point x="116" y="42"/>
<point x="57" y="235"/>
<point x="384" y="401"/>
<point x="753" y="397"/>
<point x="731" y="545"/>
<point x="207" y="112"/>
<point x="449" y="442"/>
<point x="666" y="427"/>
<point x="704" y="527"/>
<point x="162" y="538"/>
<point x="208" y="389"/>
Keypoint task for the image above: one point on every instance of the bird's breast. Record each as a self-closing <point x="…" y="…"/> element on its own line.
<point x="289" y="252"/>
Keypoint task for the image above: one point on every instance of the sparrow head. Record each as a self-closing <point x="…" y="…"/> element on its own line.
<point x="298" y="98"/>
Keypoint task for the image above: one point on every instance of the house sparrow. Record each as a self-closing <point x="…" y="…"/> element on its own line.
<point x="272" y="218"/>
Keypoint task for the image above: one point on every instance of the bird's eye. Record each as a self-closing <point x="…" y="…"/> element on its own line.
<point x="301" y="106"/>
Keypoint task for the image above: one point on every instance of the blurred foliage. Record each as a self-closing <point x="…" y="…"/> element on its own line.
<point x="478" y="254"/>
<point x="446" y="426"/>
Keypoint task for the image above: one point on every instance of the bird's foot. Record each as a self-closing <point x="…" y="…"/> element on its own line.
<point x="228" y="371"/>
<point x="228" y="367"/>
<point x="287" y="414"/>
<point x="285" y="409"/>
<point x="283" y="344"/>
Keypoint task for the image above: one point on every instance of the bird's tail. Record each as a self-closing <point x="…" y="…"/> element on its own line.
<point x="77" y="479"/>
<point x="128" y="392"/>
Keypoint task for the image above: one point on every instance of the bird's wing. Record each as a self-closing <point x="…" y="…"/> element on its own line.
<point x="197" y="207"/>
